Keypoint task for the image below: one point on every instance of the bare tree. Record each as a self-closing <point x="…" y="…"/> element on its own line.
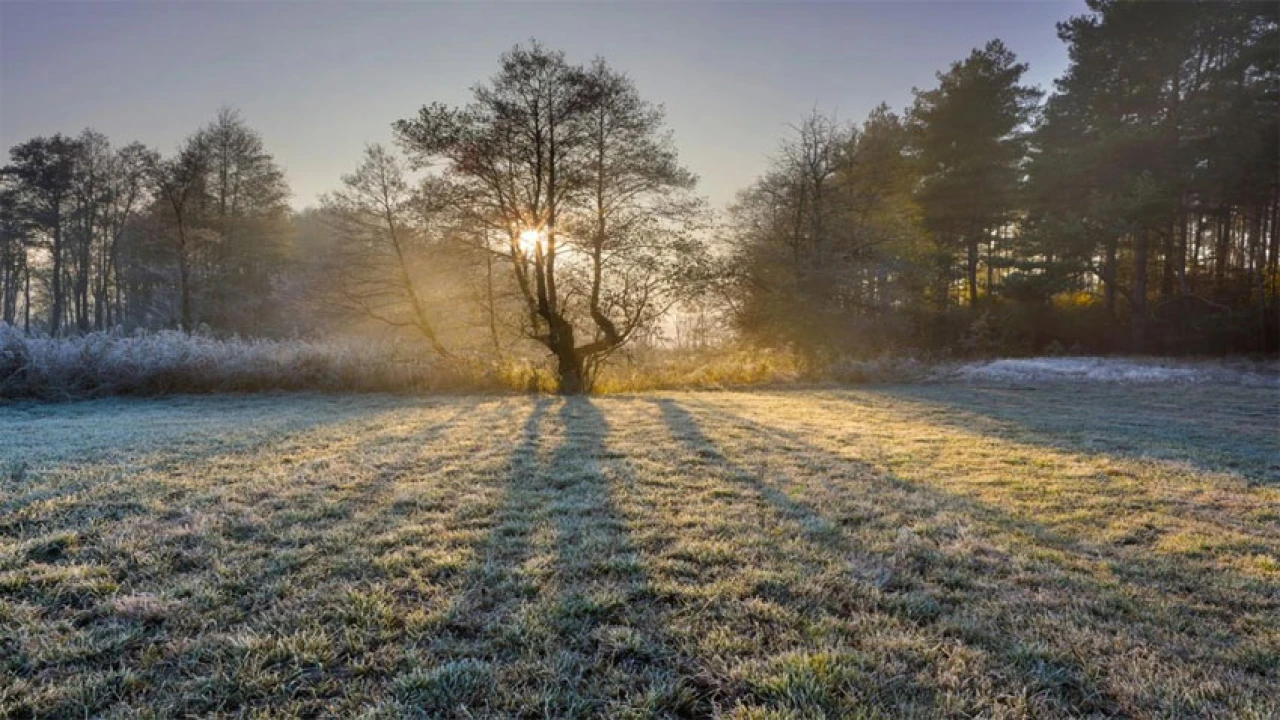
<point x="178" y="183"/>
<point x="379" y="245"/>
<point x="574" y="172"/>
<point x="42" y="172"/>
<point x="15" y="240"/>
<point x="243" y="205"/>
<point x="126" y="194"/>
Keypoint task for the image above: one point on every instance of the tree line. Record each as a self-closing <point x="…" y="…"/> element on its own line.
<point x="1132" y="209"/>
<point x="96" y="237"/>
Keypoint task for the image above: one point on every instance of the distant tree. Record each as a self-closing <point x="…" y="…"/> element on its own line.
<point x="1156" y="166"/>
<point x="828" y="244"/>
<point x="178" y="183"/>
<point x="574" y="173"/>
<point x="42" y="174"/>
<point x="15" y="270"/>
<point x="968" y="135"/>
<point x="90" y="195"/>
<point x="790" y="242"/>
<point x="242" y="207"/>
<point x="225" y="198"/>
<point x="127" y="193"/>
<point x="379" y="246"/>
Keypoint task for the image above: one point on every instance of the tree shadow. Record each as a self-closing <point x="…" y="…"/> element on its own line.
<point x="912" y="583"/>
<point x="1145" y="423"/>
<point x="555" y="602"/>
<point x="1123" y="561"/>
<point x="1189" y="599"/>
<point x="1169" y="498"/>
<point x="607" y="624"/>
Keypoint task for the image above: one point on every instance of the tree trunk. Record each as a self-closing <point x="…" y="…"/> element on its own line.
<point x="184" y="277"/>
<point x="26" y="298"/>
<point x="55" y="312"/>
<point x="1180" y="261"/>
<point x="991" y="252"/>
<point x="492" y="304"/>
<point x="1273" y="261"/>
<point x="115" y="310"/>
<point x="82" y="292"/>
<point x="8" y="282"/>
<point x="1139" y="306"/>
<point x="572" y="381"/>
<point x="569" y="363"/>
<point x="1109" y="277"/>
<point x="1221" y="253"/>
<point x="1258" y="255"/>
<point x="1167" y="270"/>
<point x="972" y="266"/>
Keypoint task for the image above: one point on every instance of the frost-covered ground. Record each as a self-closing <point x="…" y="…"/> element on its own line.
<point x="937" y="550"/>
<point x="115" y="363"/>
<point x="1116" y="370"/>
<point x="105" y="364"/>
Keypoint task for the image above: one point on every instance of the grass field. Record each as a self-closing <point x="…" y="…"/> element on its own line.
<point x="923" y="551"/>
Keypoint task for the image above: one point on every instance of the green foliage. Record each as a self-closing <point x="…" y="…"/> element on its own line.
<point x="1135" y="209"/>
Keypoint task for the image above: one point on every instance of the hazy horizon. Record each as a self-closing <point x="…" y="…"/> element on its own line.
<point x="321" y="80"/>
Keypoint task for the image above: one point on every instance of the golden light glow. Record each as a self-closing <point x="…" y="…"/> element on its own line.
<point x="530" y="239"/>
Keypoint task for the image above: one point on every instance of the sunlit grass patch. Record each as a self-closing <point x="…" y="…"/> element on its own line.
<point x="897" y="552"/>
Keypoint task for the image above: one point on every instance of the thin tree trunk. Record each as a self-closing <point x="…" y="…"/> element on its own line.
<point x="7" y="287"/>
<point x="1181" y="260"/>
<point x="1139" y="305"/>
<point x="55" y="312"/>
<point x="1166" y="266"/>
<point x="1222" y="253"/>
<point x="26" y="298"/>
<point x="184" y="276"/>
<point x="493" y="310"/>
<point x="991" y="251"/>
<point x="972" y="267"/>
<point x="1257" y="255"/>
<point x="1273" y="262"/>
<point x="1109" y="284"/>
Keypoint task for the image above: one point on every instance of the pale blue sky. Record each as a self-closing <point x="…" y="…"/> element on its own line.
<point x="321" y="79"/>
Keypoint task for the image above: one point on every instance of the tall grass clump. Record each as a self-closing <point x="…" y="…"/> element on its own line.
<point x="169" y="361"/>
<point x="743" y="367"/>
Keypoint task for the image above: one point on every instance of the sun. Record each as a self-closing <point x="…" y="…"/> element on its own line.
<point x="530" y="239"/>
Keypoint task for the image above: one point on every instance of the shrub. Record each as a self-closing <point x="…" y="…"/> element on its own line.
<point x="168" y="361"/>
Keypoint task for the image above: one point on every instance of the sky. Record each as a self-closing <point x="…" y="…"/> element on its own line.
<point x="319" y="80"/>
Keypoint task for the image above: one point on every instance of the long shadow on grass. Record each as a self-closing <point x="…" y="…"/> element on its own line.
<point x="553" y="615"/>
<point x="1187" y="424"/>
<point x="878" y="492"/>
<point x="608" y="625"/>
<point x="318" y="546"/>
<point x="494" y="580"/>
<point x="409" y="581"/>
<point x="482" y="655"/>
<point x="1206" y="510"/>
<point x="1215" y="588"/>
<point x="1061" y="677"/>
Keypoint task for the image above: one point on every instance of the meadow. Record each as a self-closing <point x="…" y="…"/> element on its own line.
<point x="927" y="550"/>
